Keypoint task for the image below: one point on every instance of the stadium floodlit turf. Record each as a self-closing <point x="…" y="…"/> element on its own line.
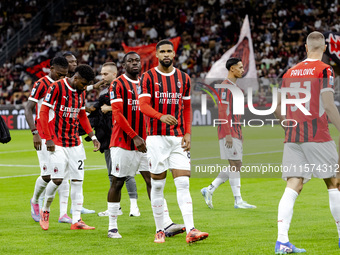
<point x="232" y="231"/>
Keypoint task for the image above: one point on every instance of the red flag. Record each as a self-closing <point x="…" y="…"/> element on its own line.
<point x="148" y="53"/>
<point x="333" y="46"/>
<point x="40" y="70"/>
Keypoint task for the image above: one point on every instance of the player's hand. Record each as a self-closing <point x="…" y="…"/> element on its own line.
<point x="90" y="109"/>
<point x="50" y="145"/>
<point x="139" y="143"/>
<point x="98" y="84"/>
<point x="168" y="119"/>
<point x="186" y="142"/>
<point x="37" y="142"/>
<point x="96" y="144"/>
<point x="106" y="108"/>
<point x="228" y="141"/>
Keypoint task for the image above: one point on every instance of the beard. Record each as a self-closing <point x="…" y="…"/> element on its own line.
<point x="134" y="72"/>
<point x="166" y="64"/>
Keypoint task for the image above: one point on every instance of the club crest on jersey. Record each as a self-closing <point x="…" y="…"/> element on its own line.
<point x="48" y="97"/>
<point x="112" y="95"/>
<point x="44" y="168"/>
<point x="179" y="84"/>
<point x="55" y="170"/>
<point x="117" y="168"/>
<point x="224" y="95"/>
<point x="33" y="91"/>
<point x="139" y="90"/>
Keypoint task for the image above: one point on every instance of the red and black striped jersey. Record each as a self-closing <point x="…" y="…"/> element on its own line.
<point x="315" y="77"/>
<point x="124" y="90"/>
<point x="167" y="92"/>
<point x="38" y="93"/>
<point x="225" y="112"/>
<point x="66" y="103"/>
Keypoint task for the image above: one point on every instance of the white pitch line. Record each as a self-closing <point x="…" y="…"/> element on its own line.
<point x="247" y="154"/>
<point x="266" y="152"/>
<point x="90" y="168"/>
<point x="4" y="152"/>
<point x="38" y="165"/>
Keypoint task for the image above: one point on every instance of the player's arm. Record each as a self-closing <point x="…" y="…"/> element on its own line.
<point x="29" y="108"/>
<point x="44" y="111"/>
<point x="105" y="108"/>
<point x="49" y="100"/>
<point x="277" y="112"/>
<point x="95" y="86"/>
<point x="332" y="112"/>
<point x="186" y="140"/>
<point x="85" y="123"/>
<point x="225" y="128"/>
<point x="146" y="108"/>
<point x="121" y="121"/>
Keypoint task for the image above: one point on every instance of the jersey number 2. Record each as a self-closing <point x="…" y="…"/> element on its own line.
<point x="81" y="163"/>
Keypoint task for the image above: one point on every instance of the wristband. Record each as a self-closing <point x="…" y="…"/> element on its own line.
<point x="89" y="88"/>
<point x="35" y="131"/>
<point x="94" y="138"/>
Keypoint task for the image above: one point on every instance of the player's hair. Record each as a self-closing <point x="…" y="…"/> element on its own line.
<point x="109" y="64"/>
<point x="59" y="61"/>
<point x="163" y="42"/>
<point x="85" y="71"/>
<point x="68" y="53"/>
<point x="129" y="53"/>
<point x="231" y="62"/>
<point x="315" y="41"/>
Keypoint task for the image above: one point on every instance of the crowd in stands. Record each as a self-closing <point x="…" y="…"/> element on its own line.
<point x="94" y="31"/>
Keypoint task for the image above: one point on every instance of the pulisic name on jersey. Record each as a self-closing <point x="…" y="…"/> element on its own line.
<point x="168" y="97"/>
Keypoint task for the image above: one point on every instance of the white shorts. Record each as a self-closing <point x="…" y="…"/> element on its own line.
<point x="233" y="153"/>
<point x="44" y="159"/>
<point x="305" y="159"/>
<point x="126" y="162"/>
<point x="68" y="162"/>
<point x="165" y="152"/>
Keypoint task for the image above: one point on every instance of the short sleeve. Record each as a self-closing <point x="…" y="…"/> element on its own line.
<point x="146" y="86"/>
<point x="186" y="92"/>
<point x="38" y="91"/>
<point x="115" y="92"/>
<point x="51" y="96"/>
<point x="327" y="83"/>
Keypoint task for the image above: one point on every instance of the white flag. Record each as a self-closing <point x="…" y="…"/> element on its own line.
<point x="243" y="50"/>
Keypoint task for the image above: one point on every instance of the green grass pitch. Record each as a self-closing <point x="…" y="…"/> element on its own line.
<point x="232" y="231"/>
